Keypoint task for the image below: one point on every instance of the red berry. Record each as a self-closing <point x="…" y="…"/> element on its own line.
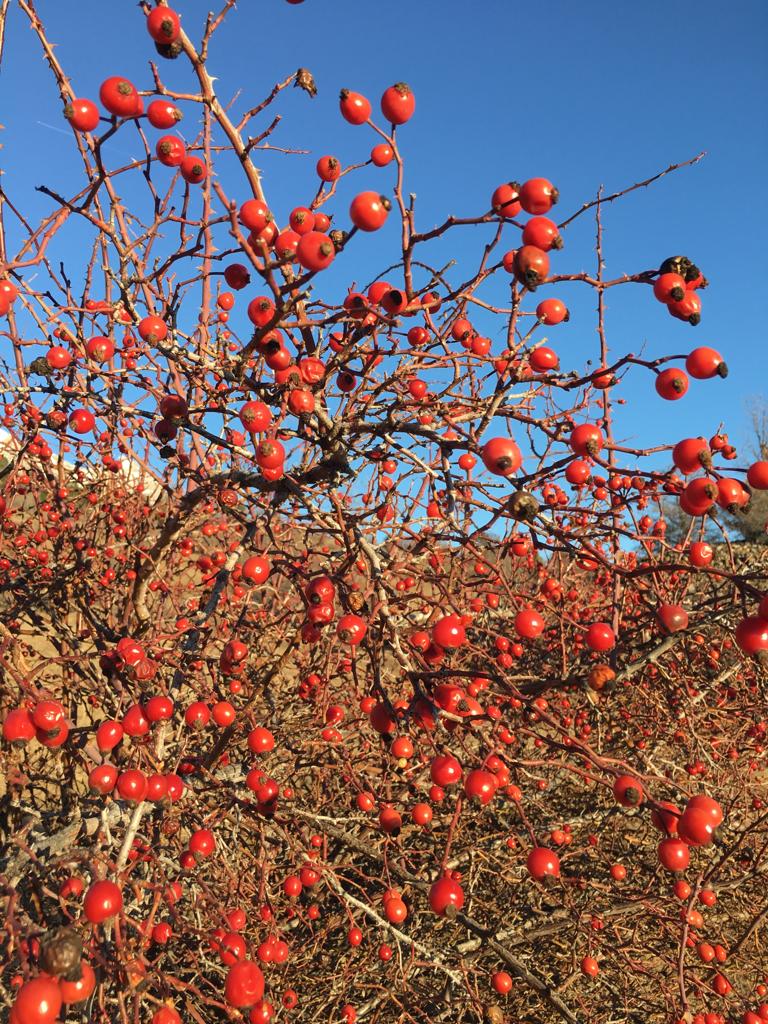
<point x="354" y="108"/>
<point x="505" y="201"/>
<point x="82" y="114"/>
<point x="543" y="863"/>
<point x="445" y="893"/>
<point x="600" y="637"/>
<point x="328" y="168"/>
<point x="80" y="990"/>
<point x="244" y="984"/>
<point x="752" y="635"/>
<point x="82" y="421"/>
<point x="586" y="439"/>
<point x="398" y="103"/>
<point x="445" y="770"/>
<point x="628" y="791"/>
<point x="529" y="624"/>
<point x="531" y="266"/>
<point x="369" y="210"/>
<point x="170" y="151"/>
<point x="538" y="195"/>
<point x="673" y="854"/>
<point x="449" y="632"/>
<point x="163" y="25"/>
<point x="542" y="233"/>
<point x="501" y="456"/>
<point x="672" y="384"/>
<point x="551" y="312"/>
<point x="669" y="288"/>
<point x="688" y="308"/>
<point x="351" y="629"/>
<point x="704" y="363"/>
<point x="163" y="114"/>
<point x="382" y="155"/>
<point x="103" y="900"/>
<point x="315" y="251"/>
<point x="501" y="982"/>
<point x="120" y="97"/>
<point x="194" y="170"/>
<point x="38" y="1001"/>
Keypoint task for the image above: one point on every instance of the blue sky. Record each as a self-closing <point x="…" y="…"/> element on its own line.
<point x="585" y="94"/>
